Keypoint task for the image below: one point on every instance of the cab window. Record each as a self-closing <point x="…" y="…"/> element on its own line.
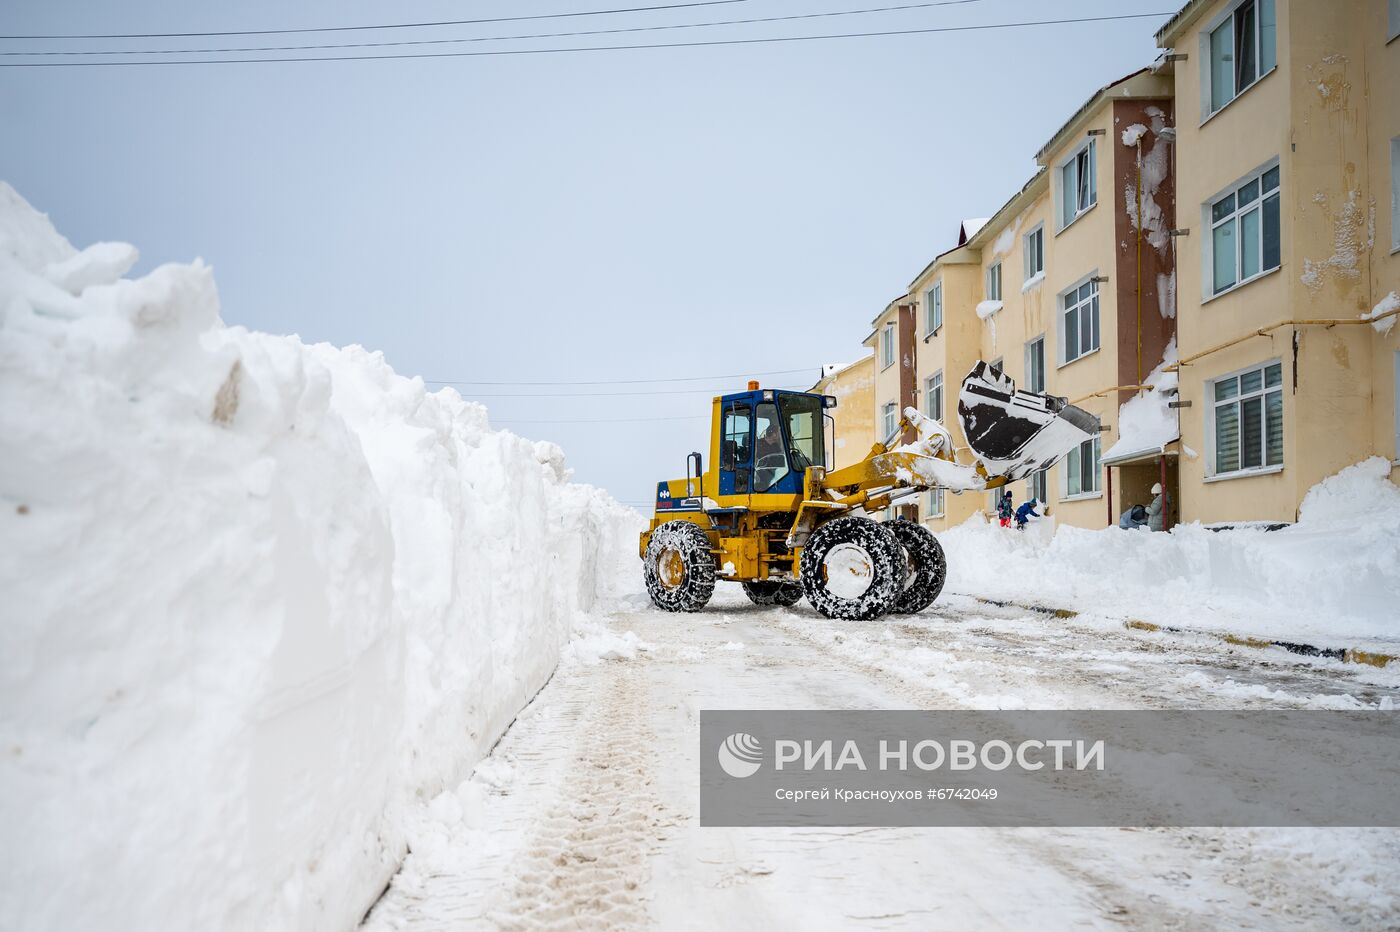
<point x="805" y="424"/>
<point x="770" y="452"/>
<point x="734" y="445"/>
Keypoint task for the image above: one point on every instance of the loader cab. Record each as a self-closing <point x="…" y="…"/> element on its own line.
<point x="768" y="439"/>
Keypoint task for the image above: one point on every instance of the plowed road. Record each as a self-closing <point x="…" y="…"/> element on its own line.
<point x="586" y="813"/>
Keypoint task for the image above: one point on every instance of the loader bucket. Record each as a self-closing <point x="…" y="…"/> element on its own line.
<point x="1015" y="433"/>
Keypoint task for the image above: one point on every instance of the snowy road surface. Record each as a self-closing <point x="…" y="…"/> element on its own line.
<point x="586" y="813"/>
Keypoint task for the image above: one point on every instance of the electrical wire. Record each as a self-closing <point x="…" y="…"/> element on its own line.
<point x="451" y="22"/>
<point x="602" y="420"/>
<point x="668" y="391"/>
<point x="537" y="35"/>
<point x="586" y="48"/>
<point x="686" y="378"/>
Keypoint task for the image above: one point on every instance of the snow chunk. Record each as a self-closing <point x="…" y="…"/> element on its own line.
<point x="1133" y="134"/>
<point x="986" y="309"/>
<point x="1389" y="303"/>
<point x="1145" y="422"/>
<point x="1347" y="243"/>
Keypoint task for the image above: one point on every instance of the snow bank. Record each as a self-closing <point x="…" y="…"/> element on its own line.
<point x="259" y="597"/>
<point x="1332" y="579"/>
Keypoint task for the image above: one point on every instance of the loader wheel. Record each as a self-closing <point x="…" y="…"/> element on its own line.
<point x="770" y="592"/>
<point x="852" y="568"/>
<point x="679" y="568"/>
<point x="927" y="567"/>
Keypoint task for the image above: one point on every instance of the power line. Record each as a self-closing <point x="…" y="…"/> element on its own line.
<point x="687" y="378"/>
<point x="537" y="35"/>
<point x="668" y="391"/>
<point x="602" y="420"/>
<point x="587" y="48"/>
<point x="452" y="22"/>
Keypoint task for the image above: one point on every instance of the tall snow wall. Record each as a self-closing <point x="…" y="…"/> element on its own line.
<point x="257" y="597"/>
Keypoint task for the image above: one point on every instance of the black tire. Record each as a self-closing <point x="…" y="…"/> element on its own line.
<point x="772" y="592"/>
<point x="886" y="563"/>
<point x="928" y="567"/>
<point x="679" y="568"/>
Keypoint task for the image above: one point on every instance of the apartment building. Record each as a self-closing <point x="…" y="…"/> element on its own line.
<point x="1066" y="290"/>
<point x="853" y="418"/>
<point x="1288" y="149"/>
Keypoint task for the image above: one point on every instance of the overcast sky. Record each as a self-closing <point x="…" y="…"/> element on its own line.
<point x="635" y="214"/>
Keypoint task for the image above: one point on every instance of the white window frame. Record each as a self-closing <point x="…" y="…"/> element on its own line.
<point x="1227" y="17"/>
<point x="1062" y="310"/>
<point x="887" y="349"/>
<point x="933" y="308"/>
<point x="1031" y="272"/>
<point x="1066" y="494"/>
<point x="1392" y="20"/>
<point x="934" y="383"/>
<point x="1209" y="224"/>
<point x="1265" y="468"/>
<point x="936" y="502"/>
<point x="1031" y="384"/>
<point x="890" y="419"/>
<point x="1038" y="485"/>
<point x="1395" y="188"/>
<point x="1082" y="206"/>
<point x="994" y="282"/>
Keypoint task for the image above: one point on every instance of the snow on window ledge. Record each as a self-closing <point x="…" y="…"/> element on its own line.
<point x="987" y="308"/>
<point x="1081" y="497"/>
<point x="1037" y="279"/>
<point x="1244" y="474"/>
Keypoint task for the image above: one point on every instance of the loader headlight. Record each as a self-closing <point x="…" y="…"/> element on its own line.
<point x="828" y="401"/>
<point x="768" y="394"/>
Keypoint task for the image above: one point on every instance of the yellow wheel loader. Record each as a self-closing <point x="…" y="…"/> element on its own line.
<point x="769" y="515"/>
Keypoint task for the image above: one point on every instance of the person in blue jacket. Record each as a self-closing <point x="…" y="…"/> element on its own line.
<point x="1025" y="513"/>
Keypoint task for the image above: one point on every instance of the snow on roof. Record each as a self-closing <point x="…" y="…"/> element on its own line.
<point x="1146" y="422"/>
<point x="970" y="227"/>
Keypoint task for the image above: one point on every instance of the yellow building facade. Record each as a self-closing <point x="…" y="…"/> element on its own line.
<point x="1289" y="146"/>
<point x="853" y="418"/>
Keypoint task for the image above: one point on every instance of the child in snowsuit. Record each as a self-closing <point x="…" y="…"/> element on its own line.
<point x="1025" y="513"/>
<point x="1004" y="510"/>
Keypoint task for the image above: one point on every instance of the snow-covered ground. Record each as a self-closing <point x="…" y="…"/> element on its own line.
<point x="585" y="815"/>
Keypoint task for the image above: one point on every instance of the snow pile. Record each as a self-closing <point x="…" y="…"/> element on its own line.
<point x="1332" y="579"/>
<point x="1146" y="423"/>
<point x="1377" y="315"/>
<point x="260" y="597"/>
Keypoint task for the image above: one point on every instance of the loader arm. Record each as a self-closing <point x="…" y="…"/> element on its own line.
<point x="1011" y="434"/>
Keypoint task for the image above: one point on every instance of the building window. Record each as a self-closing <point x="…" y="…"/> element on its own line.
<point x="994" y="282"/>
<point x="933" y="308"/>
<point x="1082" y="469"/>
<point x="887" y="346"/>
<point x="1241" y="50"/>
<point x="1078" y="184"/>
<point x="891" y="413"/>
<point x="1035" y="365"/>
<point x="934" y="390"/>
<point x="1393" y="19"/>
<point x="1079" y="318"/>
<point x="1248" y="419"/>
<point x="1244" y="232"/>
<point x="1034" y="249"/>
<point x="935" y="503"/>
<point x="1037" y="486"/>
<point x="1395" y="184"/>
